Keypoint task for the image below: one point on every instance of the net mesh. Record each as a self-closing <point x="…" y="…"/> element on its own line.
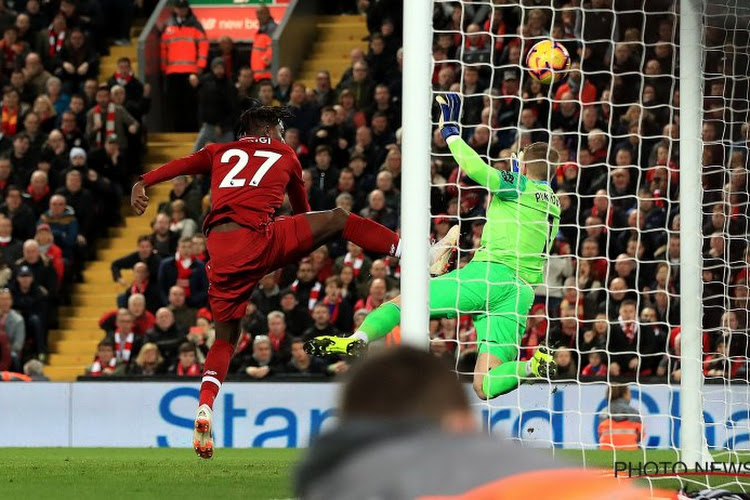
<point x="611" y="297"/>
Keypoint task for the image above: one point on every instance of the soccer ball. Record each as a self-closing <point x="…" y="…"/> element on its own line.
<point x="548" y="61"/>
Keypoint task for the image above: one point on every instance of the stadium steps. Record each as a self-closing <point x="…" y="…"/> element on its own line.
<point x="108" y="64"/>
<point x="72" y="347"/>
<point x="337" y="36"/>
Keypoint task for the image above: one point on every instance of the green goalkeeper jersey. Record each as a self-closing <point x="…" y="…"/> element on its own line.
<point x="522" y="219"/>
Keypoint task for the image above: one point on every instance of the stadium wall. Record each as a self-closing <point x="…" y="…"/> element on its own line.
<point x="122" y="414"/>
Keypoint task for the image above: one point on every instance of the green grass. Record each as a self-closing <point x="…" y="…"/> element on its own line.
<point x="107" y="473"/>
<point x="113" y="473"/>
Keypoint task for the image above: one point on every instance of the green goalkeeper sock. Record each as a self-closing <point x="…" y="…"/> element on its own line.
<point x="504" y="378"/>
<point x="380" y="322"/>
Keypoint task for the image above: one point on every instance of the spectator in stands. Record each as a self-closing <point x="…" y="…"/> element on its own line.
<point x="340" y="309"/>
<point x="283" y="88"/>
<point x="323" y="94"/>
<point x="217" y="103"/>
<point x="355" y="56"/>
<point x="184" y="315"/>
<point x="149" y="361"/>
<point x="188" y="192"/>
<point x="184" y="52"/>
<point x="321" y="323"/>
<point x="31" y="301"/>
<point x="187" y="363"/>
<point x="47" y="247"/>
<point x="36" y="75"/>
<point x="181" y="224"/>
<point x="20" y="214"/>
<point x="361" y="85"/>
<point x="62" y="221"/>
<point x="186" y="272"/>
<point x="137" y="95"/>
<point x="566" y="365"/>
<point x="267" y="296"/>
<point x="78" y="61"/>
<point x="11" y="113"/>
<point x="375" y="298"/>
<point x="106" y="363"/>
<point x="263" y="362"/>
<point x="324" y="174"/>
<point x="632" y="345"/>
<point x="304" y="113"/>
<point x="145" y="254"/>
<point x="44" y="272"/>
<point x="378" y="211"/>
<point x="166" y="334"/>
<point x="280" y="339"/>
<point x="107" y="119"/>
<point x="302" y="363"/>
<point x="144" y="285"/>
<point x="163" y="240"/>
<point x="10" y="248"/>
<point x="296" y="316"/>
<point x="13" y="328"/>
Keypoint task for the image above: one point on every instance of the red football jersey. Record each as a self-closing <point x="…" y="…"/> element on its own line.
<point x="248" y="179"/>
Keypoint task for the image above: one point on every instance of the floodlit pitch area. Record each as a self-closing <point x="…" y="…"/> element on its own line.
<point x="234" y="473"/>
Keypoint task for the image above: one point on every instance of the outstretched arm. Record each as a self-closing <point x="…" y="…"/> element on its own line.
<point x="196" y="163"/>
<point x="468" y="159"/>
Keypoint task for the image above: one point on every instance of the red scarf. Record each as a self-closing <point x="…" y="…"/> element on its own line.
<point x="123" y="349"/>
<point x="314" y="293"/>
<point x="10" y="121"/>
<point x="276" y="341"/>
<point x="243" y="343"/>
<point x="355" y="263"/>
<point x="135" y="288"/>
<point x="123" y="80"/>
<point x="9" y="56"/>
<point x="392" y="271"/>
<point x="55" y="41"/>
<point x="228" y="65"/>
<point x="193" y="370"/>
<point x="183" y="273"/>
<point x="97" y="369"/>
<point x="37" y="197"/>
<point x="109" y="126"/>
<point x="333" y="307"/>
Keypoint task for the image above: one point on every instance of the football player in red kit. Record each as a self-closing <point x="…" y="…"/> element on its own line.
<point x="244" y="240"/>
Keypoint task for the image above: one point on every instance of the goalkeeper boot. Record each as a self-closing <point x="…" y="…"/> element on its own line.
<point x="543" y="365"/>
<point x="327" y="345"/>
<point x="442" y="251"/>
<point x="203" y="441"/>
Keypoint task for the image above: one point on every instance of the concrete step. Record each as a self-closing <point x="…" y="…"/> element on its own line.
<point x="335" y="47"/>
<point x="344" y="35"/>
<point x="104" y="288"/>
<point x="103" y="302"/>
<point x="342" y="18"/>
<point x="155" y="138"/>
<point x="64" y="373"/>
<point x="83" y="322"/>
<point x="75" y="347"/>
<point x="70" y="359"/>
<point x="76" y="335"/>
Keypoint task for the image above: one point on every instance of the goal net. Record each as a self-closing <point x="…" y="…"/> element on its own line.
<point x="612" y="296"/>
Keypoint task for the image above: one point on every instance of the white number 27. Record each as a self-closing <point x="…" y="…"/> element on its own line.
<point x="231" y="180"/>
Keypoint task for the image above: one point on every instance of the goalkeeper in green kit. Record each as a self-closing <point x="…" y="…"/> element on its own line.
<point x="497" y="286"/>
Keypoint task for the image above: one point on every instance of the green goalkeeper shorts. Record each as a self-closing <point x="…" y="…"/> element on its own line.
<point x="496" y="298"/>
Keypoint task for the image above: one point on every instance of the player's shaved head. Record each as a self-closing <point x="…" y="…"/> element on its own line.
<point x="540" y="160"/>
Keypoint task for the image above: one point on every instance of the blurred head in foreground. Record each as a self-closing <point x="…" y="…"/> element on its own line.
<point x="405" y="418"/>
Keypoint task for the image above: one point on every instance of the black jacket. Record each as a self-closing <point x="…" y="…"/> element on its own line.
<point x="168" y="341"/>
<point x="217" y="101"/>
<point x="167" y="277"/>
<point x="131" y="259"/>
<point x="23" y="219"/>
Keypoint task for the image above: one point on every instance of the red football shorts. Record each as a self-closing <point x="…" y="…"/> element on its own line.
<point x="240" y="258"/>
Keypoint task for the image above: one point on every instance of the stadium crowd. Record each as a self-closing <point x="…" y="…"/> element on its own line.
<point x="68" y="147"/>
<point x="611" y="299"/>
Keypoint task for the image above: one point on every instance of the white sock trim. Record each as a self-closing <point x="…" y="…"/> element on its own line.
<point x="397" y="252"/>
<point x="360" y="335"/>
<point x="208" y="378"/>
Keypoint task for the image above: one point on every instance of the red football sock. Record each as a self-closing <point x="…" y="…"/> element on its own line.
<point x="215" y="371"/>
<point x="372" y="236"/>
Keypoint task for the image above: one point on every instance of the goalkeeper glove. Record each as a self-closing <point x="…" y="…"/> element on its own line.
<point x="450" y="111"/>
